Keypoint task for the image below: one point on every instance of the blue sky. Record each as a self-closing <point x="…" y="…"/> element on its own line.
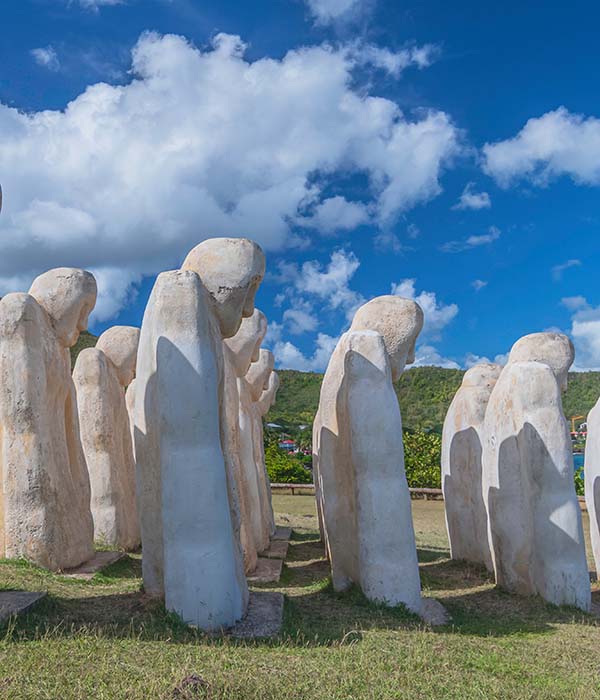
<point x="445" y="151"/>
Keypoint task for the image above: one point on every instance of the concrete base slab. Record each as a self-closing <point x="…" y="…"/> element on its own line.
<point x="263" y="619"/>
<point x="277" y="550"/>
<point x="16" y="603"/>
<point x="434" y="613"/>
<point x="267" y="571"/>
<point x="282" y="533"/>
<point x="90" y="568"/>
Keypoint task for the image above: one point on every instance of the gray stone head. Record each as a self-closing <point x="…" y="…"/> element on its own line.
<point x="68" y="295"/>
<point x="120" y="345"/>
<point x="245" y="344"/>
<point x="484" y="375"/>
<point x="231" y="269"/>
<point x="553" y="349"/>
<point x="258" y="374"/>
<point x="399" y="321"/>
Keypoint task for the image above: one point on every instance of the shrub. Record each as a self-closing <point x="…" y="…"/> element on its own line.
<point x="284" y="468"/>
<point x="579" y="482"/>
<point x="422" y="459"/>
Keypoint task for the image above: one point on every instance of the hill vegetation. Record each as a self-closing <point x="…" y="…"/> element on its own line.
<point x="424" y="393"/>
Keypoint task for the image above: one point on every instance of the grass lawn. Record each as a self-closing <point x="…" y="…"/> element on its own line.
<point x="103" y="639"/>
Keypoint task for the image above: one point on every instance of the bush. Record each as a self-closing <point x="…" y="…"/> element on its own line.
<point x="422" y="459"/>
<point x="284" y="468"/>
<point x="579" y="482"/>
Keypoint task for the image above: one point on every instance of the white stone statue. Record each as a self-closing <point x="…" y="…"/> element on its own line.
<point x="45" y="496"/>
<point x="240" y="351"/>
<point x="101" y="376"/>
<point x="359" y="456"/>
<point x="269" y="395"/>
<point x="534" y="520"/>
<point x="258" y="380"/>
<point x="259" y="508"/>
<point x="592" y="480"/>
<point x="462" y="449"/>
<point x="186" y="490"/>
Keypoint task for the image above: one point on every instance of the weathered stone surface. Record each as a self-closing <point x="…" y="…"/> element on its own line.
<point x="266" y="571"/>
<point x="187" y="490"/>
<point x="260" y="373"/>
<point x="90" y="568"/>
<point x="434" y="613"/>
<point x="239" y="352"/>
<point x="282" y="533"/>
<point x="277" y="550"/>
<point x="13" y="603"/>
<point x="231" y="270"/>
<point x="101" y="375"/>
<point x="359" y="457"/>
<point x="45" y="495"/>
<point x="264" y="617"/>
<point x="534" y="520"/>
<point x="462" y="450"/>
<point x="592" y="480"/>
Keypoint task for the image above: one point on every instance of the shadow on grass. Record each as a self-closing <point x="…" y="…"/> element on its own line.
<point x="314" y="614"/>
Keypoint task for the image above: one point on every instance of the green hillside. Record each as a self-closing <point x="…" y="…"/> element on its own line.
<point x="86" y="340"/>
<point x="424" y="394"/>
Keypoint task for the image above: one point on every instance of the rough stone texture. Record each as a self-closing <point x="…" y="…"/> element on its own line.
<point x="553" y="349"/>
<point x="264" y="617"/>
<point x="90" y="568"/>
<point x="282" y="533"/>
<point x="130" y="404"/>
<point x="188" y="539"/>
<point x="101" y="375"/>
<point x="13" y="603"/>
<point x="187" y="491"/>
<point x="247" y="423"/>
<point x="239" y="352"/>
<point x="534" y="520"/>
<point x="434" y="613"/>
<point x="592" y="480"/>
<point x="462" y="449"/>
<point x="45" y="512"/>
<point x="268" y="396"/>
<point x="266" y="571"/>
<point x="259" y="383"/>
<point x="359" y="457"/>
<point x="231" y="270"/>
<point x="277" y="550"/>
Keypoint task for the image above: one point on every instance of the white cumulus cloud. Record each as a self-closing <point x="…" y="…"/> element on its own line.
<point x="289" y="356"/>
<point x="470" y="199"/>
<point x="492" y="235"/>
<point x="203" y="143"/>
<point x="437" y="314"/>
<point x="328" y="11"/>
<point x="47" y="58"/>
<point x="557" y="143"/>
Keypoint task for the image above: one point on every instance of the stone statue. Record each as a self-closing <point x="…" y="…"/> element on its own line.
<point x="101" y="376"/>
<point x="462" y="449"/>
<point x="534" y="520"/>
<point x="45" y="496"/>
<point x="258" y="381"/>
<point x="187" y="494"/>
<point x="359" y="457"/>
<point x="269" y="395"/>
<point x="592" y="480"/>
<point x="240" y="351"/>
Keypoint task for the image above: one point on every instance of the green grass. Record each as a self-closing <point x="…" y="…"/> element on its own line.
<point x="103" y="639"/>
